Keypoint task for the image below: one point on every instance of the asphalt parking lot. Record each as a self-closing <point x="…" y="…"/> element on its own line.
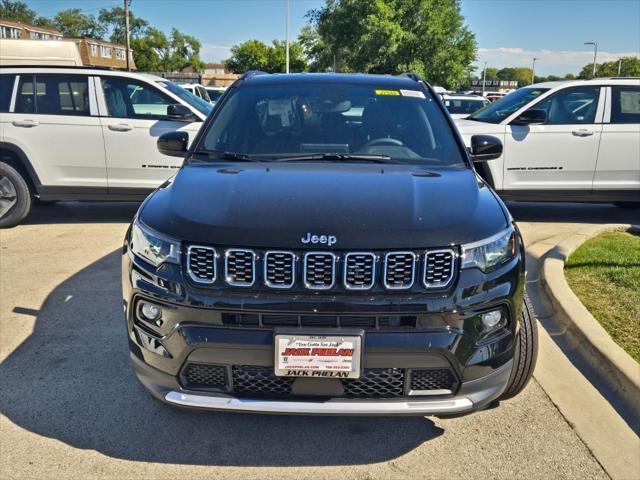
<point x="70" y="406"/>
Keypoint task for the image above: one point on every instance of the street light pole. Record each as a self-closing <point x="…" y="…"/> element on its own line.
<point x="287" y="32"/>
<point x="127" y="34"/>
<point x="484" y="77"/>
<point x="620" y="67"/>
<point x="533" y="71"/>
<point x="595" y="56"/>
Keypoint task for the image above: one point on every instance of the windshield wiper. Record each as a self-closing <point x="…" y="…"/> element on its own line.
<point x="358" y="157"/>
<point x="223" y="155"/>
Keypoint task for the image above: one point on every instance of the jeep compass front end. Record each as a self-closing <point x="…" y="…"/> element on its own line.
<point x="328" y="248"/>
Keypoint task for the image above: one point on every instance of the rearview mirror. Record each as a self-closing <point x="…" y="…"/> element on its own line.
<point x="532" y="116"/>
<point x="180" y="113"/>
<point x="485" y="147"/>
<point x="173" y="144"/>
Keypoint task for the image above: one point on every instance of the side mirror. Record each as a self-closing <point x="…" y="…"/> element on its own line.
<point x="532" y="116"/>
<point x="173" y="144"/>
<point x="180" y="113"/>
<point x="485" y="147"/>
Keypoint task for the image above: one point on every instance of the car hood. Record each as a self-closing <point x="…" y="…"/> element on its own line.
<point x="365" y="206"/>
<point x="467" y="128"/>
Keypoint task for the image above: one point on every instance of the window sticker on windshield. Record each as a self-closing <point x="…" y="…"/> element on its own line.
<point x="412" y="93"/>
<point x="392" y="93"/>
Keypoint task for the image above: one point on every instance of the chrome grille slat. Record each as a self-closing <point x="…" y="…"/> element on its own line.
<point x="279" y="269"/>
<point x="399" y="270"/>
<point x="359" y="270"/>
<point x="240" y="267"/>
<point x="439" y="268"/>
<point x="201" y="264"/>
<point x="319" y="270"/>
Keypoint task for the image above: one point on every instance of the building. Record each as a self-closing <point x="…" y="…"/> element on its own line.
<point x="24" y="31"/>
<point x="216" y="74"/>
<point x="504" y="86"/>
<point x="100" y="53"/>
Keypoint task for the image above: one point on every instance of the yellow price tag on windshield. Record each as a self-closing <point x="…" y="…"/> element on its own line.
<point x="388" y="92"/>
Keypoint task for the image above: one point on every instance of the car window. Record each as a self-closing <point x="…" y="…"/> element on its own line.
<point x="625" y="104"/>
<point x="6" y="90"/>
<point x="571" y="106"/>
<point x="464" y="105"/>
<point x="53" y="95"/>
<point x="129" y="98"/>
<point x="185" y="95"/>
<point x="279" y="121"/>
<point x="502" y="108"/>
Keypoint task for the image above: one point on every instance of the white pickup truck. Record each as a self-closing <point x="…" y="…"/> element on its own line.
<point x="565" y="141"/>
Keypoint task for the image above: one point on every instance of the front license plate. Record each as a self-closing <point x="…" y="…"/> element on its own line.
<point x="317" y="356"/>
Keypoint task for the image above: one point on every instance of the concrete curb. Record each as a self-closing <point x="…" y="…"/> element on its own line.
<point x="617" y="369"/>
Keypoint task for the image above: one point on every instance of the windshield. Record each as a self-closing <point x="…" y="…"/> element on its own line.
<point x="196" y="102"/>
<point x="214" y="95"/>
<point x="340" y="122"/>
<point x="501" y="109"/>
<point x="464" y="105"/>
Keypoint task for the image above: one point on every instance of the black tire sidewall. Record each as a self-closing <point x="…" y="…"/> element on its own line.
<point x="23" y="197"/>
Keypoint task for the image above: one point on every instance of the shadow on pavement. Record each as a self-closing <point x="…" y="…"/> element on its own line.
<point x="594" y="213"/>
<point x="82" y="212"/>
<point x="71" y="380"/>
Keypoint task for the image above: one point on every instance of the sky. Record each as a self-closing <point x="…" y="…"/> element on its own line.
<point x="508" y="32"/>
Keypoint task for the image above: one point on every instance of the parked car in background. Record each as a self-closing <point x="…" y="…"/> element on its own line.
<point x="493" y="96"/>
<point x="461" y="106"/>
<point x="215" y="92"/>
<point x="197" y="90"/>
<point x="565" y="141"/>
<point x="86" y="134"/>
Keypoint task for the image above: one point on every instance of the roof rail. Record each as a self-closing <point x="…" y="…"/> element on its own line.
<point x="251" y="73"/>
<point x="412" y="75"/>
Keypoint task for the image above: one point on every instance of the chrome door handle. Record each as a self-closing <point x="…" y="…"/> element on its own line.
<point x="120" y="127"/>
<point x="583" y="132"/>
<point x="25" y="123"/>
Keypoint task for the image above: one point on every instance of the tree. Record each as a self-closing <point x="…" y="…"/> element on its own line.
<point x="20" y="12"/>
<point x="629" y="67"/>
<point x="256" y="55"/>
<point x="522" y="75"/>
<point x="392" y="36"/>
<point x="113" y="21"/>
<point x="155" y="52"/>
<point x="73" y="23"/>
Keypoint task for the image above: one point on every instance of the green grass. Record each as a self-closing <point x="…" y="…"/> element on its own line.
<point x="605" y="275"/>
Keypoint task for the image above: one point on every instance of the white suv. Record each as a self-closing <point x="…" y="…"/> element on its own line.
<point x="565" y="141"/>
<point x="86" y="134"/>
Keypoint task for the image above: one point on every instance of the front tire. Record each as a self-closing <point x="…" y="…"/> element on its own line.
<point x="526" y="352"/>
<point x="15" y="196"/>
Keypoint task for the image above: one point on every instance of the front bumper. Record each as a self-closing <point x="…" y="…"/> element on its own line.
<point x="446" y="334"/>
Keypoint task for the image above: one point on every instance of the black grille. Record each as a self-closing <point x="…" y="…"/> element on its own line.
<point x="240" y="268"/>
<point x="279" y="269"/>
<point x="433" y="379"/>
<point x="399" y="270"/>
<point x="359" y="271"/>
<point x="319" y="270"/>
<point x="259" y="381"/>
<point x="376" y="383"/>
<point x="438" y="268"/>
<point x="294" y="320"/>
<point x="202" y="264"/>
<point x="200" y="375"/>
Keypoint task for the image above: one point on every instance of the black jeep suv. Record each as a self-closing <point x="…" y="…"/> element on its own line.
<point x="328" y="248"/>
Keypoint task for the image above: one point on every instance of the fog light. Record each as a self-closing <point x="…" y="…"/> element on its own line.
<point x="491" y="319"/>
<point x="150" y="312"/>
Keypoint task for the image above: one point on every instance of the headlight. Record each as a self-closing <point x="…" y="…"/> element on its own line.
<point x="490" y="253"/>
<point x="152" y="246"/>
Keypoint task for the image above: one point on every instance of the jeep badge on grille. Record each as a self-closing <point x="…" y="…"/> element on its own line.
<point x="324" y="239"/>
